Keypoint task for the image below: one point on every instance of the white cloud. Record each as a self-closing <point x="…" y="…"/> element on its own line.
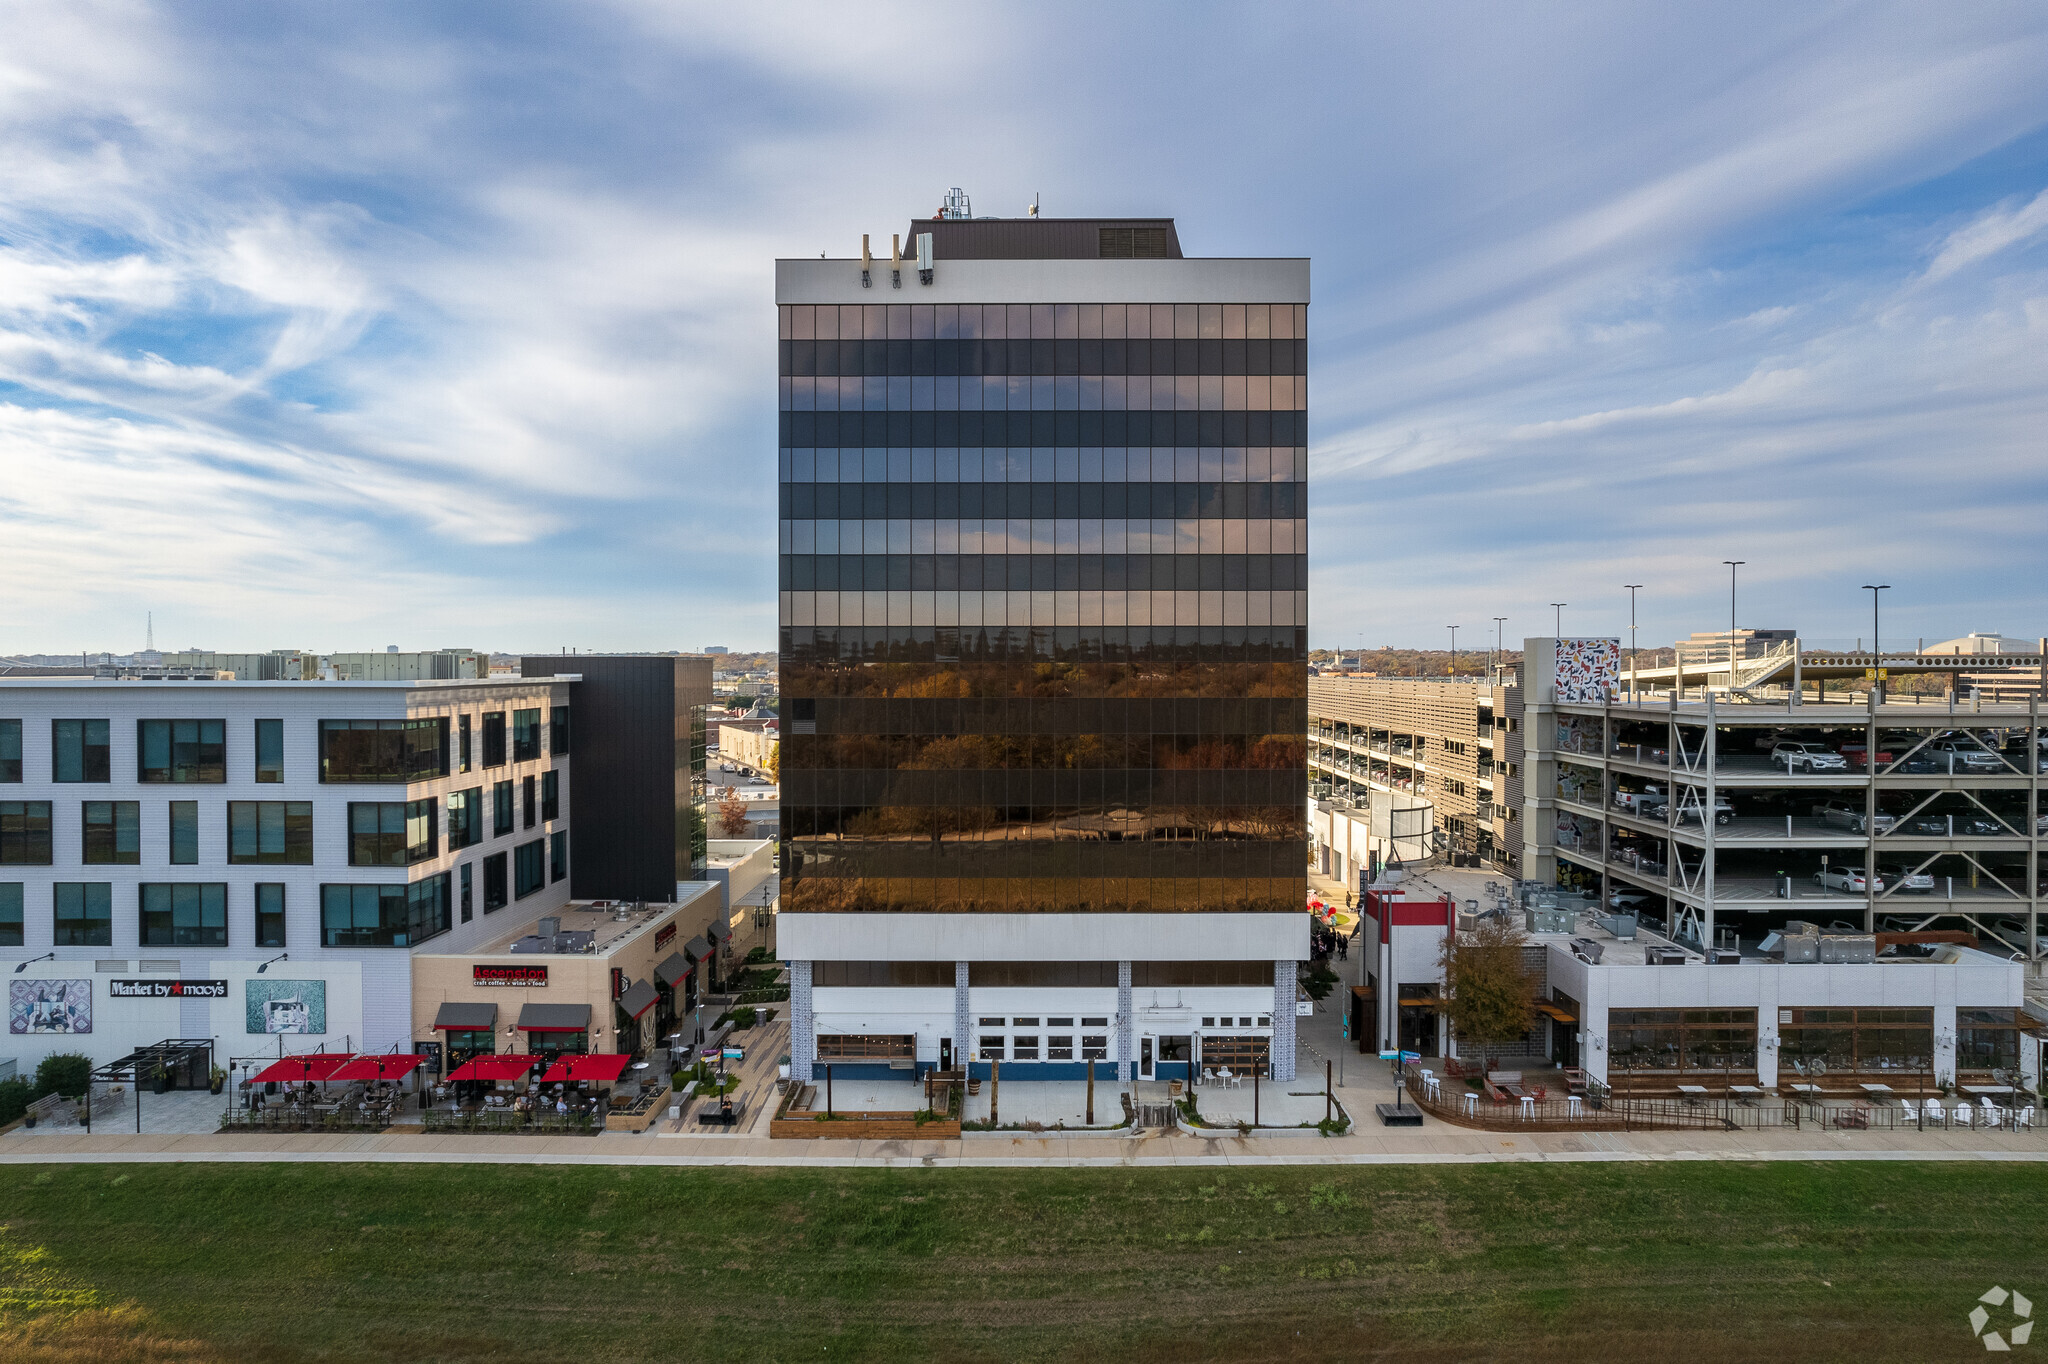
<point x="1988" y="235"/>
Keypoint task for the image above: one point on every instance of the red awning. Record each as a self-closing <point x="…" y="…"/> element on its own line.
<point x="603" y="1068"/>
<point x="493" y="1068"/>
<point x="313" y="1066"/>
<point x="380" y="1067"/>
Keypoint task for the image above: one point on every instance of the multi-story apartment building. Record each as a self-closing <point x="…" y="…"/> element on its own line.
<point x="1043" y="651"/>
<point x="1454" y="743"/>
<point x="286" y="845"/>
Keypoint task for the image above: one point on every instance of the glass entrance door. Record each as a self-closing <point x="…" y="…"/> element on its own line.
<point x="1145" y="1067"/>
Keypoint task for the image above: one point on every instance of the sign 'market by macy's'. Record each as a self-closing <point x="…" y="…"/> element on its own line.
<point x="167" y="989"/>
<point x="480" y="974"/>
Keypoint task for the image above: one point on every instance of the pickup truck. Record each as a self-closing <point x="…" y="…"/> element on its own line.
<point x="1804" y="757"/>
<point x="1965" y="753"/>
<point x="1842" y="814"/>
<point x="1853" y="753"/>
<point x="1647" y="803"/>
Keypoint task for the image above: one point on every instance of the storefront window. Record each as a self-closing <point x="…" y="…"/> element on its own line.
<point x="1987" y="1039"/>
<point x="1820" y="1041"/>
<point x="464" y="1043"/>
<point x="553" y="1044"/>
<point x="1682" y="1041"/>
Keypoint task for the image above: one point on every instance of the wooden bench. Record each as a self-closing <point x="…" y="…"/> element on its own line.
<point x="1497" y="1085"/>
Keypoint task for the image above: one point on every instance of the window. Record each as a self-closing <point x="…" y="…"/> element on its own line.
<point x="1095" y="1048"/>
<point x="558" y="732"/>
<point x="1987" y="1039"/>
<point x="991" y="1048"/>
<point x="384" y="916"/>
<point x="385" y="751"/>
<point x="525" y="735"/>
<point x="465" y="756"/>
<point x="1042" y="974"/>
<point x="527" y="802"/>
<point x="1024" y="1048"/>
<point x="1157" y="974"/>
<point x="501" y="809"/>
<point x="25" y="833"/>
<point x="84" y="914"/>
<point x="184" y="915"/>
<point x="1686" y="1040"/>
<point x="10" y="750"/>
<point x="497" y="892"/>
<point x="269" y="915"/>
<point x="271" y="832"/>
<point x="1023" y="1022"/>
<point x="392" y="833"/>
<point x="113" y="833"/>
<point x="558" y="854"/>
<point x="1095" y="1022"/>
<point x="79" y="751"/>
<point x="529" y="868"/>
<point x="269" y="751"/>
<point x="181" y="750"/>
<point x="879" y="974"/>
<point x="184" y="833"/>
<point x="494" y="738"/>
<point x="467" y="900"/>
<point x="11" y="918"/>
<point x="465" y="818"/>
<point x="551" y="794"/>
<point x="855" y="1046"/>
<point x="1059" y="1047"/>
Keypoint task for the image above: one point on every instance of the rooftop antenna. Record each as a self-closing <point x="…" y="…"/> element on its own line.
<point x="1032" y="211"/>
<point x="957" y="204"/>
<point x="150" y="645"/>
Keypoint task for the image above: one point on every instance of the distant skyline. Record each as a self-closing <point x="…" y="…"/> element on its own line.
<point x="338" y="328"/>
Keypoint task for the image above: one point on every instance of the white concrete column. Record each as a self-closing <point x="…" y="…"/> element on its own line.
<point x="1945" y="1041"/>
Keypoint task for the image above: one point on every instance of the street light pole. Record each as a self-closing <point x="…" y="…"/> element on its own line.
<point x="1876" y="653"/>
<point x="1454" y="649"/>
<point x="1558" y="623"/>
<point x="1632" y="638"/>
<point x="1733" y="564"/>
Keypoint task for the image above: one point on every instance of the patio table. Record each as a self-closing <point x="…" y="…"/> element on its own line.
<point x="1746" y="1094"/>
<point x="1876" y="1091"/>
<point x="1987" y="1089"/>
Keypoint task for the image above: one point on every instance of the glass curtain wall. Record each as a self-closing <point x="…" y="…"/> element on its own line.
<point x="1044" y="606"/>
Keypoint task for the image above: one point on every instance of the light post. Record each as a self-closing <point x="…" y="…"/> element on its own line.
<point x="1733" y="564"/>
<point x="1632" y="638"/>
<point x="1454" y="649"/>
<point x="1500" y="642"/>
<point x="1557" y="626"/>
<point x="1876" y="654"/>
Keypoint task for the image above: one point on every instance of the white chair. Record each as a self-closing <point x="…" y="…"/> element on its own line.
<point x="1964" y="1115"/>
<point x="1528" y="1106"/>
<point x="2023" y="1116"/>
<point x="1471" y="1103"/>
<point x="1911" y="1107"/>
<point x="1572" y="1102"/>
<point x="1208" y="1075"/>
<point x="1932" y="1111"/>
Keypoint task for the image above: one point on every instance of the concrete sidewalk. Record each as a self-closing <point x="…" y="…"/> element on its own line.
<point x="1434" y="1144"/>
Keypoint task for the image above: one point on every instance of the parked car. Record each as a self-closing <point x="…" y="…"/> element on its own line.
<point x="1853" y="752"/>
<point x="1848" y="879"/>
<point x="1925" y="825"/>
<point x="1905" y="881"/>
<point x="1962" y="751"/>
<point x="1647" y="803"/>
<point x="1693" y="809"/>
<point x="1842" y="814"/>
<point x="1804" y="757"/>
<point x="757" y="781"/>
<point x="1976" y="824"/>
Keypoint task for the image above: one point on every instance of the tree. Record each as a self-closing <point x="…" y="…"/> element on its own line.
<point x="732" y="814"/>
<point x="1490" y="996"/>
<point x="774" y="764"/>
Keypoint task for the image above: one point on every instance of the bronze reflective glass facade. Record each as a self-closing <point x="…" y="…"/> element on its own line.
<point x="1044" y="606"/>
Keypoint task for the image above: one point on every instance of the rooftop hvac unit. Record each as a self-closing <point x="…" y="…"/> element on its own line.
<point x="1723" y="956"/>
<point x="1848" y="949"/>
<point x="1622" y="926"/>
<point x="550" y="924"/>
<point x="1589" y="950"/>
<point x="1546" y="919"/>
<point x="1663" y="956"/>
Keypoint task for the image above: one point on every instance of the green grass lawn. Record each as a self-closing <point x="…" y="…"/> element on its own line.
<point x="505" y="1263"/>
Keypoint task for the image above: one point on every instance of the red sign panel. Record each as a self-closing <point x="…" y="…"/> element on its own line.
<point x="664" y="936"/>
<point x="480" y="974"/>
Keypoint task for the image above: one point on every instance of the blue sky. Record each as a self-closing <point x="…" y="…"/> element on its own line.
<point x="431" y="325"/>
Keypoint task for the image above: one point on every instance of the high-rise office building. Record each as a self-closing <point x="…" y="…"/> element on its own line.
<point x="1043" y="651"/>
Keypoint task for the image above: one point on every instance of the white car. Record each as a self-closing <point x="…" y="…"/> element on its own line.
<point x="1905" y="881"/>
<point x="1848" y="879"/>
<point x="757" y="781"/>
<point x="1800" y="757"/>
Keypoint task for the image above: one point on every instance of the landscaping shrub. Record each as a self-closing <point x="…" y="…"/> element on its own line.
<point x="14" y="1100"/>
<point x="67" y="1074"/>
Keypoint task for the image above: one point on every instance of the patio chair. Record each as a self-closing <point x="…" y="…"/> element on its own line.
<point x="1911" y="1108"/>
<point x="2022" y="1117"/>
<point x="1994" y="1116"/>
<point x="1209" y="1076"/>
<point x="1931" y="1110"/>
<point x="1965" y="1115"/>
